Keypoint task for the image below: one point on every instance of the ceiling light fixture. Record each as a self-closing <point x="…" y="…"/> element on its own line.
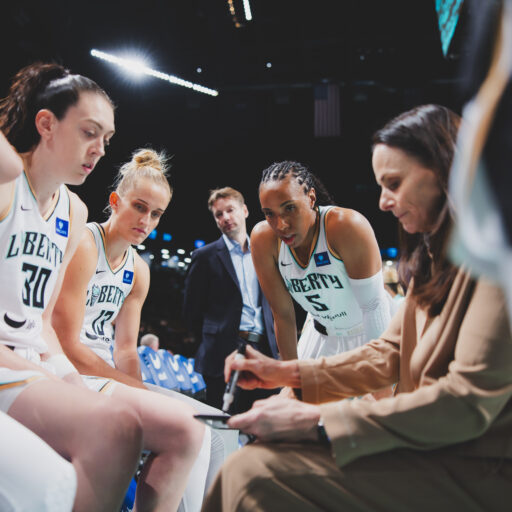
<point x="247" y="10"/>
<point x="139" y="67"/>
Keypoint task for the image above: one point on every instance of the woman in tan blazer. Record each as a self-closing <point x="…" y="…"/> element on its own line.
<point x="444" y="441"/>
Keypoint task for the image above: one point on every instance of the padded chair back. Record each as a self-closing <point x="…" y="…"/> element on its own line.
<point x="129" y="498"/>
<point x="196" y="379"/>
<point x="156" y="368"/>
<point x="182" y="376"/>
<point x="147" y="370"/>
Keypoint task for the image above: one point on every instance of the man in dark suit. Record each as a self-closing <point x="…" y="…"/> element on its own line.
<point x="223" y="301"/>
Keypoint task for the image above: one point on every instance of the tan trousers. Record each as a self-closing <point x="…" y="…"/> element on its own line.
<point x="304" y="477"/>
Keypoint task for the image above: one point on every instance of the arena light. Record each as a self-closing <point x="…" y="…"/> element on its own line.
<point x="166" y="237"/>
<point x="247" y="10"/>
<point x="199" y="243"/>
<point x="187" y="260"/>
<point x="232" y="11"/>
<point x="181" y="251"/>
<point x="138" y="67"/>
<point x="153" y="234"/>
<point x="141" y="247"/>
<point x="392" y="252"/>
<point x="181" y="264"/>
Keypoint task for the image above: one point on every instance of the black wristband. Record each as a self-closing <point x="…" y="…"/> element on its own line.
<point x="323" y="438"/>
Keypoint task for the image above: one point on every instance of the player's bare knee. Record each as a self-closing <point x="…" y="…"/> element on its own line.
<point x="187" y="436"/>
<point x="121" y="426"/>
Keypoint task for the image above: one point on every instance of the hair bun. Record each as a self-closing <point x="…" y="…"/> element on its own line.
<point x="145" y="164"/>
<point x="148" y="158"/>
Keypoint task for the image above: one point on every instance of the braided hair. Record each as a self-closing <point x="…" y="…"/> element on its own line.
<point x="304" y="177"/>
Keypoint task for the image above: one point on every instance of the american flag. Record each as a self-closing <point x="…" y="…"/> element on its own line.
<point x="327" y="110"/>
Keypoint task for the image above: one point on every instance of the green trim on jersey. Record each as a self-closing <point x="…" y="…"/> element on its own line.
<point x="102" y="235"/>
<point x="329" y="208"/>
<point x="57" y="199"/>
<point x="13" y="202"/>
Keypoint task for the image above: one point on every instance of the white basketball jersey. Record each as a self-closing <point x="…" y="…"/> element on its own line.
<point x="322" y="287"/>
<point x="106" y="292"/>
<point x="32" y="248"/>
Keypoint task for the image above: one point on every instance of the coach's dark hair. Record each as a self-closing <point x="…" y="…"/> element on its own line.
<point x="35" y="87"/>
<point x="427" y="134"/>
<point x="300" y="172"/>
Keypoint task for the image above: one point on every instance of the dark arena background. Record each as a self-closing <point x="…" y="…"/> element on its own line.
<point x="305" y="81"/>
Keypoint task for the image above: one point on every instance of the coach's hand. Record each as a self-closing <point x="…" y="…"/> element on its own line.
<point x="260" y="371"/>
<point x="279" y="419"/>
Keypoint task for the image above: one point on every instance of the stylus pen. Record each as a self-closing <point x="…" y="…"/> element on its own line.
<point x="229" y="393"/>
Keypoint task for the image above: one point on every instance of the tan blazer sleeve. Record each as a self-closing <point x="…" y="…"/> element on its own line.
<point x="368" y="368"/>
<point x="461" y="404"/>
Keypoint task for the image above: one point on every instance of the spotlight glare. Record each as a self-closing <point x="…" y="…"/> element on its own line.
<point x="247" y="10"/>
<point x="141" y="247"/>
<point x="135" y="66"/>
<point x="269" y="64"/>
<point x="140" y="68"/>
<point x="181" y="251"/>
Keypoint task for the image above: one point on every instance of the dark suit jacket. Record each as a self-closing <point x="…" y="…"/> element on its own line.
<point x="212" y="308"/>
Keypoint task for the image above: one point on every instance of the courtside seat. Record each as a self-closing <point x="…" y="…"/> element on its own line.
<point x="153" y="365"/>
<point x="146" y="376"/>
<point x="129" y="498"/>
<point x="173" y="364"/>
<point x="197" y="380"/>
<point x="147" y="370"/>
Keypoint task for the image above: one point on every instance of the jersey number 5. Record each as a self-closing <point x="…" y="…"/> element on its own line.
<point x="319" y="306"/>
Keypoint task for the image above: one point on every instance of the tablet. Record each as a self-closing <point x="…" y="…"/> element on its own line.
<point x="215" y="420"/>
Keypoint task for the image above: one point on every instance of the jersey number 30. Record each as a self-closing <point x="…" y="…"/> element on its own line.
<point x="35" y="285"/>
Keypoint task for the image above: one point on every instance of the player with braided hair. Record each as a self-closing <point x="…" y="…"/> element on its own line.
<point x="325" y="257"/>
